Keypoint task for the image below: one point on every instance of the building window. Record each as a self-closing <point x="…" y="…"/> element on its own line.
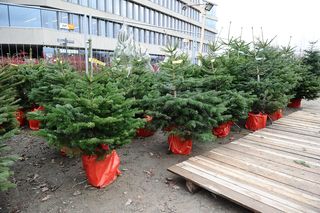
<point x="147" y="17"/>
<point x="4" y="16"/>
<point x="141" y="37"/>
<point x="147" y="37"/>
<point x="109" y="5"/>
<point x="102" y="28"/>
<point x="117" y="28"/>
<point x="124" y="8"/>
<point x="109" y="29"/>
<point x="151" y="37"/>
<point x="136" y="34"/>
<point x="152" y="17"/>
<point x="84" y="3"/>
<point x="116" y="7"/>
<point x="129" y="11"/>
<point x="94" y="26"/>
<point x="102" y="5"/>
<point x="136" y="12"/>
<point x="24" y="17"/>
<point x="141" y="13"/>
<point x="93" y="4"/>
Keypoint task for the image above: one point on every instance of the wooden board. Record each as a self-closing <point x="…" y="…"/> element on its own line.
<point x="276" y="169"/>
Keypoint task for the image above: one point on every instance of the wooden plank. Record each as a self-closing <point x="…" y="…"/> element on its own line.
<point x="296" y="119"/>
<point x="223" y="186"/>
<point x="301" y="123"/>
<point x="274" y="156"/>
<point x="267" y="168"/>
<point x="314" y="128"/>
<point x="258" y="182"/>
<point x="290" y="134"/>
<point x="294" y="130"/>
<point x="290" y="138"/>
<point x="299" y="149"/>
<point x="262" y="193"/>
<point x="306" y="117"/>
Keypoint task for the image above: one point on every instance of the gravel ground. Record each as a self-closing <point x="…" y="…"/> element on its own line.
<point x="48" y="182"/>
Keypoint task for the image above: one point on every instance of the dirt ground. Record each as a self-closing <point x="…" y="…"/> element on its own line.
<point x="48" y="182"/>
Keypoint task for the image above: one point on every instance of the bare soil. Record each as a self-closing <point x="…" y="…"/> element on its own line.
<point x="48" y="182"/>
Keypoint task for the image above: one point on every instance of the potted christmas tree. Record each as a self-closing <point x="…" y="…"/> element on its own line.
<point x="94" y="118"/>
<point x="184" y="106"/>
<point x="265" y="71"/>
<point x="132" y="70"/>
<point x="309" y="84"/>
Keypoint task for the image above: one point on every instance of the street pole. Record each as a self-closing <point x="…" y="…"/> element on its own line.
<point x="203" y="14"/>
<point x="85" y="43"/>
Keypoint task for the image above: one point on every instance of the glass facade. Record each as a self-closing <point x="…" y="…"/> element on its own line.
<point x="49" y="19"/>
<point x="20" y="16"/>
<point x="4" y="15"/>
<point x="24" y="17"/>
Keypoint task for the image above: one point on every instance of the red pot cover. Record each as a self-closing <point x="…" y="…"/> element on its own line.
<point x="295" y="103"/>
<point x="178" y="145"/>
<point x="101" y="173"/>
<point x="276" y="115"/>
<point x="143" y="132"/>
<point x="256" y="121"/>
<point x="20" y="117"/>
<point x="35" y="124"/>
<point x="222" y="130"/>
<point x="169" y="128"/>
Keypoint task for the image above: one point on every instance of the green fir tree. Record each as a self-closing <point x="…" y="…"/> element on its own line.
<point x="8" y="122"/>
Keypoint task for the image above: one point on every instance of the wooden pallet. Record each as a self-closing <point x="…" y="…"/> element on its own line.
<point x="276" y="169"/>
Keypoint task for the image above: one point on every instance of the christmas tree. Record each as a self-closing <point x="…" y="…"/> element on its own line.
<point x="89" y="115"/>
<point x="265" y="71"/>
<point x="309" y="84"/>
<point x="48" y="80"/>
<point x="132" y="71"/>
<point x="8" y="122"/>
<point x="184" y="104"/>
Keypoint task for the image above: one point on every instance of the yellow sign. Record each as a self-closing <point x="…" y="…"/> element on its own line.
<point x="96" y="61"/>
<point x="71" y="26"/>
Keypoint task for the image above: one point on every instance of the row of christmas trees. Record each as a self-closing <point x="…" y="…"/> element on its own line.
<point x="94" y="114"/>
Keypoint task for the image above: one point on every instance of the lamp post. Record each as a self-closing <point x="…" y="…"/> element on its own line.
<point x="206" y="7"/>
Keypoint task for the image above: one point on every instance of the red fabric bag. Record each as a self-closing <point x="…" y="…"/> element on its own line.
<point x="101" y="173"/>
<point x="20" y="117"/>
<point x="222" y="130"/>
<point x="144" y="132"/>
<point x="276" y="115"/>
<point x="256" y="121"/>
<point x="178" y="145"/>
<point x="295" y="103"/>
<point x="35" y="124"/>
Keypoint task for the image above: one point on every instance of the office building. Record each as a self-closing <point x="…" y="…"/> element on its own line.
<point x="45" y="27"/>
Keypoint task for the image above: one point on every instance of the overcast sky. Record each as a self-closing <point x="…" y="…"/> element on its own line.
<point x="281" y="18"/>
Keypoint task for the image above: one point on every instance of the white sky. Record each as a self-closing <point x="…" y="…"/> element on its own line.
<point x="281" y="18"/>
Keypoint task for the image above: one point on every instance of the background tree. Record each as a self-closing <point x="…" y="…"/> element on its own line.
<point x="8" y="122"/>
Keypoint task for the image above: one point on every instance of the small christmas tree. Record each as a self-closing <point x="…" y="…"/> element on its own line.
<point x="48" y="80"/>
<point x="183" y="103"/>
<point x="8" y="122"/>
<point x="89" y="114"/>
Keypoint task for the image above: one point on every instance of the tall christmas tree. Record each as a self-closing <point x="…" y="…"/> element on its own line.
<point x="265" y="71"/>
<point x="8" y="122"/>
<point x="132" y="71"/>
